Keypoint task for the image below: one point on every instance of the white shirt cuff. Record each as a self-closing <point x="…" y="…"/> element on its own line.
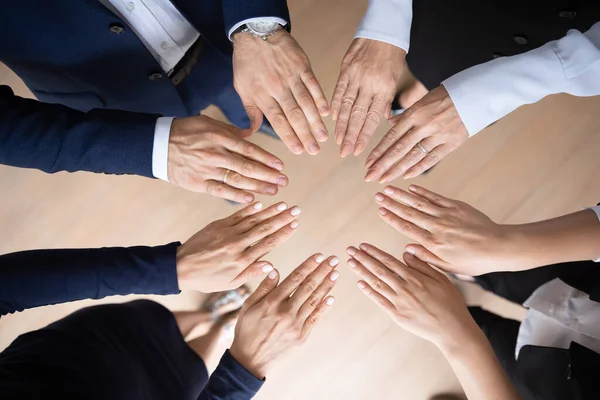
<point x="160" y="149"/>
<point x="280" y="21"/>
<point x="597" y="211"/>
<point x="387" y="21"/>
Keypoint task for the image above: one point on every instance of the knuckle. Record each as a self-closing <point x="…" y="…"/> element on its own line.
<point x="312" y="320"/>
<point x="406" y="226"/>
<point x="297" y="277"/>
<point x="314" y="301"/>
<point x="359" y="111"/>
<point x="374" y="117"/>
<point x="379" y="271"/>
<point x="247" y="169"/>
<point x="377" y="285"/>
<point x="277" y="119"/>
<point x="235" y="179"/>
<point x="419" y="205"/>
<point x="270" y="242"/>
<point x="265" y="228"/>
<point x="398" y="149"/>
<point x="310" y="285"/>
<point x="434" y="156"/>
<point x="248" y="149"/>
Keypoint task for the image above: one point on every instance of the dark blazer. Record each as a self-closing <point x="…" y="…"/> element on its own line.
<point x="66" y="53"/>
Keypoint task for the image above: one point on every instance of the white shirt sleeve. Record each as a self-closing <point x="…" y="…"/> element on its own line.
<point x="597" y="211"/>
<point x="280" y="21"/>
<point x="387" y="21"/>
<point x="487" y="92"/>
<point x="160" y="149"/>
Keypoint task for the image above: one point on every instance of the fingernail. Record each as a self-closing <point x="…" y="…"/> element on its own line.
<point x="320" y="258"/>
<point x="294" y="225"/>
<point x="314" y="148"/>
<point x="297" y="149"/>
<point x="351" y="250"/>
<point x="282" y="181"/>
<point x="323" y="110"/>
<point x="248" y="198"/>
<point x="346" y="149"/>
<point x="382" y="211"/>
<point x="334" y="276"/>
<point x="383" y="179"/>
<point x="258" y="206"/>
<point x="272" y="189"/>
<point x="334" y="261"/>
<point x="352" y="263"/>
<point x="281" y="207"/>
<point x="267" y="268"/>
<point x="371" y="174"/>
<point x="410" y="250"/>
<point x="330" y="301"/>
<point x="322" y="136"/>
<point x="272" y="274"/>
<point x="278" y="165"/>
<point x="379" y="197"/>
<point x="295" y="211"/>
<point x="412" y="188"/>
<point x="359" y="148"/>
<point x="388" y="190"/>
<point x="361" y="285"/>
<point x="363" y="247"/>
<point x="369" y="162"/>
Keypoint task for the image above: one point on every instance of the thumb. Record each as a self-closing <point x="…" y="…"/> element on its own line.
<point x="265" y="287"/>
<point x="255" y="115"/>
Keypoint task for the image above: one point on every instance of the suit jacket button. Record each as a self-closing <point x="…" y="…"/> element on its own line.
<point x="521" y="39"/>
<point x="157" y="76"/>
<point x="117" y="29"/>
<point x="567" y="14"/>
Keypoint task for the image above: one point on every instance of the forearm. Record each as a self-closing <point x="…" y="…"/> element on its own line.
<point x="41" y="277"/>
<point x="478" y="370"/>
<point x="572" y="237"/>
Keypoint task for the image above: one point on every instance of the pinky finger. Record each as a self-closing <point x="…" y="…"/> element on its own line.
<point x="314" y="318"/>
<point x="377" y="298"/>
<point x="423" y="254"/>
<point x="431" y="159"/>
<point x="224" y="191"/>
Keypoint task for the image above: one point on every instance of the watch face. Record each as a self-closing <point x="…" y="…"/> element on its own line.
<point x="262" y="27"/>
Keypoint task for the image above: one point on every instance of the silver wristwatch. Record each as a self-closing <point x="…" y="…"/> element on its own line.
<point x="260" y="28"/>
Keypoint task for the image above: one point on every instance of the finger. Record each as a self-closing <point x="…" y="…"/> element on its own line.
<point x="413" y="157"/>
<point x="224" y="191"/>
<point x="253" y="152"/>
<point x="242" y="214"/>
<point x="365" y="274"/>
<point x="265" y="287"/>
<point x="338" y="95"/>
<point x="346" y="105"/>
<point x="312" y="282"/>
<point x="239" y="181"/>
<point x="314" y="87"/>
<point x="392" y="263"/>
<point x="432" y="197"/>
<point x="422" y="267"/>
<point x="316" y="298"/>
<point x="314" y="318"/>
<point x="411" y="200"/>
<point x="296" y="278"/>
<point x="254" y="114"/>
<point x="271" y="242"/>
<point x="280" y="124"/>
<point x="253" y="220"/>
<point x="431" y="159"/>
<point x="377" y="110"/>
<point x="252" y="271"/>
<point x="382" y="268"/>
<point x="358" y="116"/>
<point x="405" y="212"/>
<point x="405" y="227"/>
<point x="298" y="122"/>
<point x="307" y="104"/>
<point x="377" y="298"/>
<point x="272" y="225"/>
<point x="423" y="254"/>
<point x="397" y="132"/>
<point x="249" y="168"/>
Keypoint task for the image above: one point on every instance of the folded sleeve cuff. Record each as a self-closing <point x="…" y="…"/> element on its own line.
<point x="160" y="148"/>
<point x="597" y="211"/>
<point x="387" y="21"/>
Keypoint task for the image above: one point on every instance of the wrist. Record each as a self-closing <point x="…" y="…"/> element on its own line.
<point x="246" y="361"/>
<point x="462" y="342"/>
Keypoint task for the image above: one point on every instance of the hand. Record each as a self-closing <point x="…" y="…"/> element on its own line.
<point x="434" y="123"/>
<point x="274" y="77"/>
<point x="417" y="297"/>
<point x="275" y="319"/>
<point x="366" y="87"/>
<point x="224" y="254"/>
<point x="452" y="235"/>
<point x="203" y="150"/>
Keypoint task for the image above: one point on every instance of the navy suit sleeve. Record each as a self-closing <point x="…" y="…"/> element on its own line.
<point x="230" y="381"/>
<point x="41" y="277"/>
<point x="53" y="138"/>
<point x="235" y="11"/>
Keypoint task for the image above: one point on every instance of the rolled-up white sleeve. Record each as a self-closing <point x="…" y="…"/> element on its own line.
<point x="387" y="21"/>
<point x="160" y="149"/>
<point x="597" y="211"/>
<point x="487" y="92"/>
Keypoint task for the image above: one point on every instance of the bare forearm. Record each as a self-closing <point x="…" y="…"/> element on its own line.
<point x="477" y="368"/>
<point x="572" y="237"/>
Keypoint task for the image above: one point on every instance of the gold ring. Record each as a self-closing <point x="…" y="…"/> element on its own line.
<point x="226" y="175"/>
<point x="422" y="148"/>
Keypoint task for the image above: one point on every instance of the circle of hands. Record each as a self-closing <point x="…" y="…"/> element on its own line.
<point x="275" y="80"/>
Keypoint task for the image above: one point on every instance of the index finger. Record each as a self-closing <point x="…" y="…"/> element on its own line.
<point x="378" y="108"/>
<point x="307" y="104"/>
<point x="313" y="86"/>
<point x="280" y="124"/>
<point x="295" y="279"/>
<point x="250" y="168"/>
<point x="254" y="152"/>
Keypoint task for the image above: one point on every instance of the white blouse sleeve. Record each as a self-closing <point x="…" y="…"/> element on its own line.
<point x="387" y="21"/>
<point x="487" y="92"/>
<point x="597" y="211"/>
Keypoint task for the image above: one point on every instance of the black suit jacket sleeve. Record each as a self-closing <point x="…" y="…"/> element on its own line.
<point x="41" y="277"/>
<point x="53" y="138"/>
